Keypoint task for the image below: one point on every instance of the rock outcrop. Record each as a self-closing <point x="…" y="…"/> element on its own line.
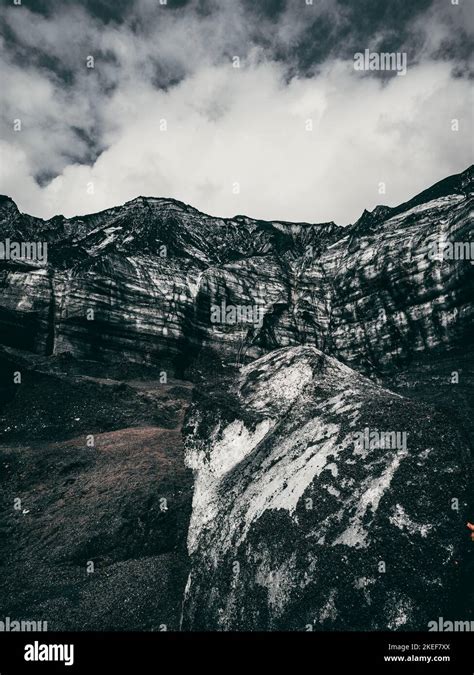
<point x="317" y="495"/>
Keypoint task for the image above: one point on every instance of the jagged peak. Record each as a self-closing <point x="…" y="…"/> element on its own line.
<point x="142" y="199"/>
<point x="5" y="199"/>
<point x="7" y="206"/>
<point x="455" y="184"/>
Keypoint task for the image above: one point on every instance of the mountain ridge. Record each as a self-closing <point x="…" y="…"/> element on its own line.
<point x="453" y="181"/>
<point x="150" y="276"/>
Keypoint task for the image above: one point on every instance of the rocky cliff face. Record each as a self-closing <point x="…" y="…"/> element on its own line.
<point x="142" y="280"/>
<point x="330" y="433"/>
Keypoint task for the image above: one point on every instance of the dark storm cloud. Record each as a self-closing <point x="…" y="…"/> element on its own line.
<point x="299" y="36"/>
<point x="339" y="29"/>
<point x="106" y="10"/>
<point x="270" y="9"/>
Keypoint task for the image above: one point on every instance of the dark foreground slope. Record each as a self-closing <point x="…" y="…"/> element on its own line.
<point x="95" y="497"/>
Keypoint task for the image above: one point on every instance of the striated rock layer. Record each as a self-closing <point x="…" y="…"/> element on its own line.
<point x="141" y="280"/>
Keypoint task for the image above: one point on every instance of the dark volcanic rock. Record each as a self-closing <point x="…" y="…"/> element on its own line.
<point x="296" y="526"/>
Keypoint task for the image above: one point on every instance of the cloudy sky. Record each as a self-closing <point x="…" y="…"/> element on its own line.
<point x="294" y="133"/>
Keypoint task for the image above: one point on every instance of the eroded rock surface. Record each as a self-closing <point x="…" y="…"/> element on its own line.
<point x="140" y="280"/>
<point x="296" y="525"/>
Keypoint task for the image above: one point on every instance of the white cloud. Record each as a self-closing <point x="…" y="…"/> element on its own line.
<point x="225" y="125"/>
